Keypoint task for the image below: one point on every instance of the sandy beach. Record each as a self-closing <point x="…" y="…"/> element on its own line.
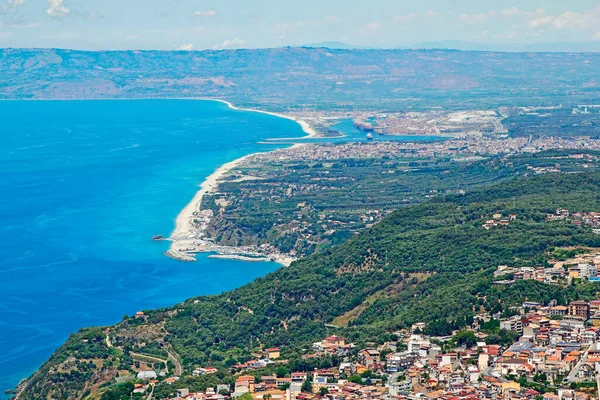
<point x="184" y="239"/>
<point x="309" y="130"/>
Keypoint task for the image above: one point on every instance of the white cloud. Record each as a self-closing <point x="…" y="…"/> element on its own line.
<point x="207" y="13"/>
<point x="430" y="13"/>
<point x="541" y="22"/>
<point x="57" y="9"/>
<point x="568" y="20"/>
<point x="596" y="36"/>
<point x="187" y="47"/>
<point x="15" y="3"/>
<point x="373" y="26"/>
<point x="406" y="17"/>
<point x="234" y="43"/>
<point x="510" y="12"/>
<point x="515" y="12"/>
<point x="477" y="18"/>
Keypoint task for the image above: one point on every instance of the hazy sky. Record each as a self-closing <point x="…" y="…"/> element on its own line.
<point x="202" y="24"/>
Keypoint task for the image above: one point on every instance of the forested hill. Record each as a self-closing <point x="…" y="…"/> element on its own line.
<point x="428" y="263"/>
<point x="317" y="78"/>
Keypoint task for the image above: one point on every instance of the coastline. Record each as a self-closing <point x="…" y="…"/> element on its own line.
<point x="186" y="238"/>
<point x="309" y="130"/>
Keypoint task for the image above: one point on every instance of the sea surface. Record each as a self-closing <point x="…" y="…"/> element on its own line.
<point x="84" y="185"/>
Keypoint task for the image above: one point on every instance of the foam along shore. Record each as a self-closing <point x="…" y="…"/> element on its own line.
<point x="188" y="237"/>
<point x="309" y="130"/>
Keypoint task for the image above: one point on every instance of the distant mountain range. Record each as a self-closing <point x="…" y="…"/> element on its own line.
<point x="299" y="77"/>
<point x="333" y="45"/>
<point x="569" y="47"/>
<point x="565" y="47"/>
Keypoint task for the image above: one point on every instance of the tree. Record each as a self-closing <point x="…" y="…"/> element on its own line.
<point x="466" y="338"/>
<point x="120" y="391"/>
<point x="246" y="396"/>
<point x="323" y="391"/>
<point x="307" y="386"/>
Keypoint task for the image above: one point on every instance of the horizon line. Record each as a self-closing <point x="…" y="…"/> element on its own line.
<point x="316" y="46"/>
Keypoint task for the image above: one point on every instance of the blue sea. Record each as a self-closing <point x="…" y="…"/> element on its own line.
<point x="84" y="185"/>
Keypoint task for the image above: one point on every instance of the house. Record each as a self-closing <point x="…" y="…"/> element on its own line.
<point x="299" y="377"/>
<point x="283" y="382"/>
<point x="244" y="384"/>
<point x="146" y="375"/>
<point x="272" y="353"/>
<point x="223" y="388"/>
<point x="204" y="371"/>
<point x="270" y="381"/>
<point x="589" y="336"/>
<point x="369" y="357"/>
<point x="333" y="341"/>
<point x="517" y="366"/>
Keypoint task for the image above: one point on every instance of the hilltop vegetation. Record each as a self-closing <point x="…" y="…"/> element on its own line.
<point x="285" y="78"/>
<point x="429" y="263"/>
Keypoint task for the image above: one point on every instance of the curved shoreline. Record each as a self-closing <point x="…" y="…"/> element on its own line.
<point x="309" y="130"/>
<point x="186" y="237"/>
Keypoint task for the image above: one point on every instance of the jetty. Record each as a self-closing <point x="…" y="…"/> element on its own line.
<point x="179" y="255"/>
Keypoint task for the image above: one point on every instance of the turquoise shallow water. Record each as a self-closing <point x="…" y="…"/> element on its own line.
<point x="84" y="185"/>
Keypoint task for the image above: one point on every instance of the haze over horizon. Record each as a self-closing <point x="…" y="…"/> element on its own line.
<point x="195" y="25"/>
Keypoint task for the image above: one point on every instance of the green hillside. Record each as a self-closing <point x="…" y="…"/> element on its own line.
<point x="430" y="263"/>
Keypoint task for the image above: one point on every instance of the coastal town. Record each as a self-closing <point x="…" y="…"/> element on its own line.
<point x="542" y="351"/>
<point x="208" y="223"/>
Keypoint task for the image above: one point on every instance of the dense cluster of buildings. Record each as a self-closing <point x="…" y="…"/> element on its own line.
<point x="578" y="218"/>
<point x="557" y="347"/>
<point x="460" y="148"/>
<point x="583" y="266"/>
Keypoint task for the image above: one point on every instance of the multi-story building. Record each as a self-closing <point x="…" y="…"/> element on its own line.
<point x="400" y="361"/>
<point x="587" y="270"/>
<point x="558" y="310"/>
<point x="513" y="324"/>
<point x="580" y="309"/>
<point x="369" y="357"/>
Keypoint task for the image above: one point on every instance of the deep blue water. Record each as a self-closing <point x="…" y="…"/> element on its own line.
<point x="84" y="185"/>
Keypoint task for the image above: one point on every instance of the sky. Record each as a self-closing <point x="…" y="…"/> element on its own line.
<point x="226" y="24"/>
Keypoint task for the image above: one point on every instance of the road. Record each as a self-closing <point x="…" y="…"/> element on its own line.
<point x="572" y="377"/>
<point x="173" y="356"/>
